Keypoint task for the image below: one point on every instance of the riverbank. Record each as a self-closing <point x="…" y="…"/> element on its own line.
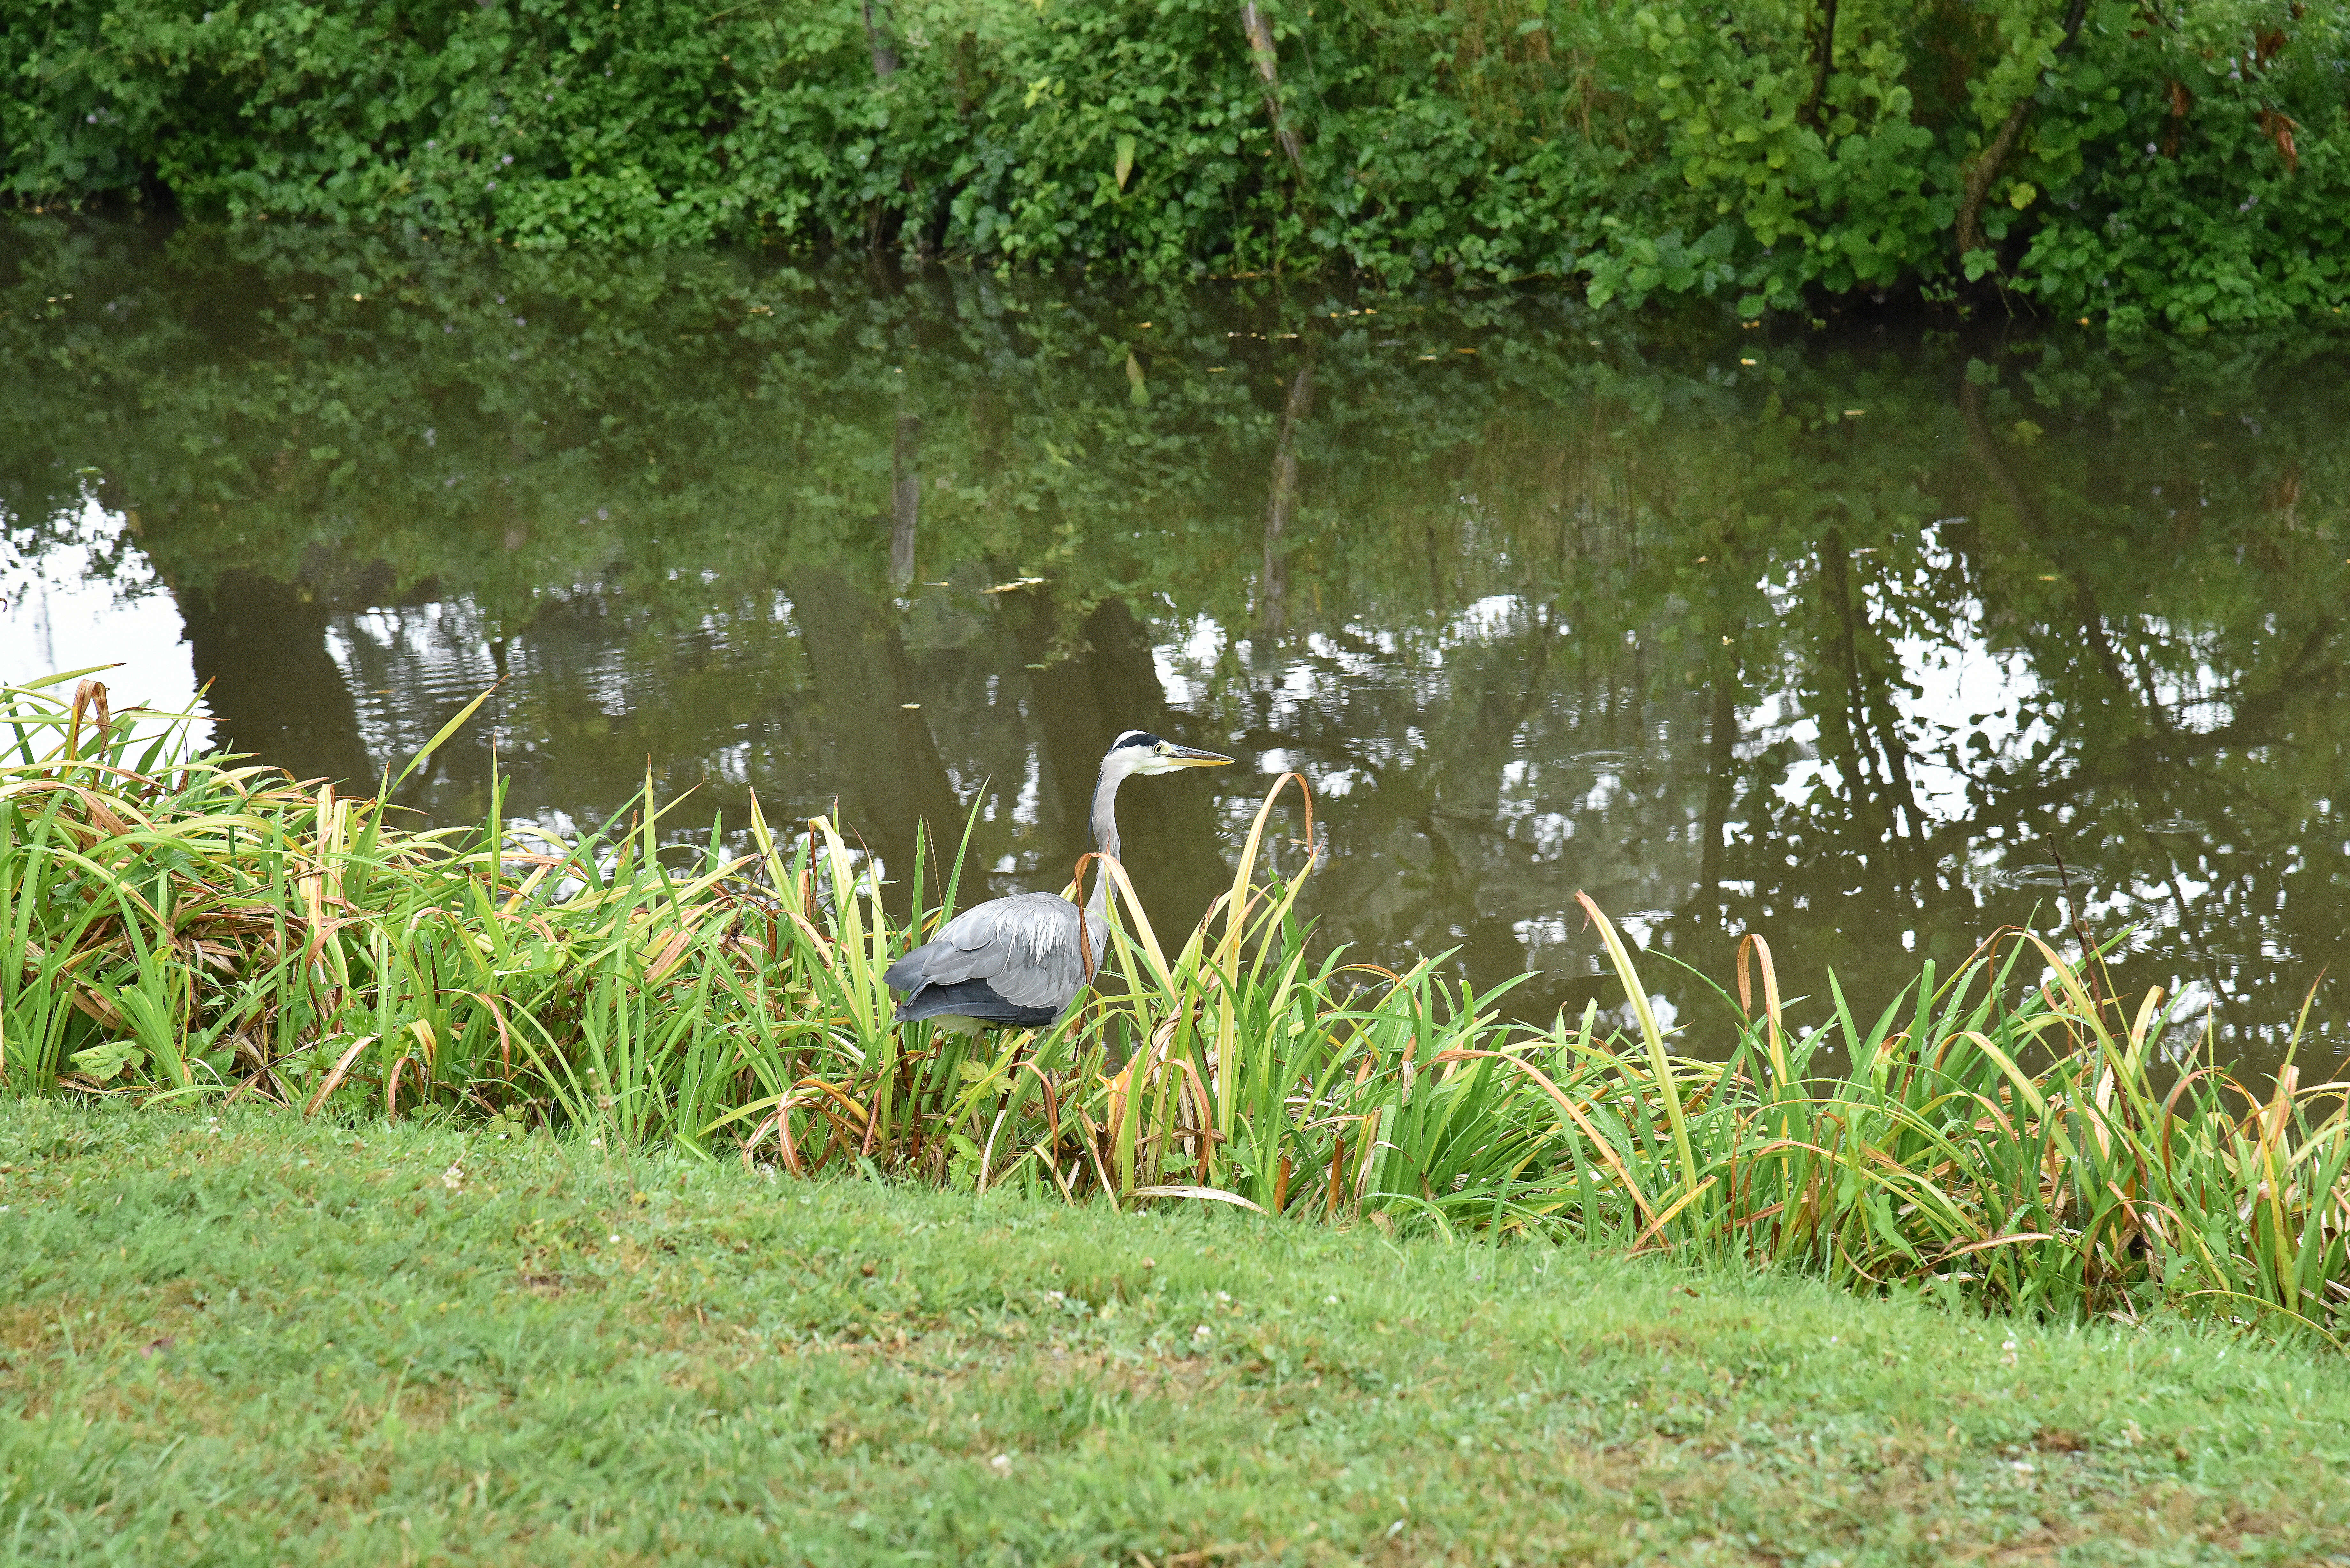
<point x="178" y="929"/>
<point x="2067" y="160"/>
<point x="240" y="1336"/>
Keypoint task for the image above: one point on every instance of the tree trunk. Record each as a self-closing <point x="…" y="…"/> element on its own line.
<point x="905" y="498"/>
<point x="1985" y="168"/>
<point x="1273" y="589"/>
<point x="1078" y="704"/>
<point x="1268" y="70"/>
<point x="1822" y="64"/>
<point x="258" y="646"/>
<point x="1720" y="780"/>
<point x="882" y="763"/>
<point x="877" y="22"/>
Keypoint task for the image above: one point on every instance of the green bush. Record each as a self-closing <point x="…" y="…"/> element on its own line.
<point x="2184" y="162"/>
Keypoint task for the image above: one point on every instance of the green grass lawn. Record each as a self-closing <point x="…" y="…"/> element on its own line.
<point x="257" y="1339"/>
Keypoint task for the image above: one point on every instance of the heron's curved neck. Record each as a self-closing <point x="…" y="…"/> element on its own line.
<point x="1105" y="837"/>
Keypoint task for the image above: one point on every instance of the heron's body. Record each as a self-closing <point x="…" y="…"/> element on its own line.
<point x="1016" y="962"/>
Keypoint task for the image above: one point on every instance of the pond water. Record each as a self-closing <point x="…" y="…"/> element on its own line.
<point x="1840" y="636"/>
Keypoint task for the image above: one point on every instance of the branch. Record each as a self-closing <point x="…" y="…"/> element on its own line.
<point x="876" y="38"/>
<point x="1985" y="168"/>
<point x="1274" y="589"/>
<point x="1824" y="63"/>
<point x="1268" y="70"/>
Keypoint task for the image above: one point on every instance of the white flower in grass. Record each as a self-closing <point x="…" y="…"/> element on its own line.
<point x="453" y="1179"/>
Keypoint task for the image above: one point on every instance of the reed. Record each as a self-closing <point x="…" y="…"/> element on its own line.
<point x="174" y="925"/>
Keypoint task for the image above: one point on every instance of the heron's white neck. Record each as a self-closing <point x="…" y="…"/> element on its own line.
<point x="1105" y="836"/>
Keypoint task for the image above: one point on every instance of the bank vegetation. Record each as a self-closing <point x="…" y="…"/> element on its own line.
<point x="2178" y="162"/>
<point x="177" y="927"/>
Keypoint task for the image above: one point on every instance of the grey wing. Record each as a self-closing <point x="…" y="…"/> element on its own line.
<point x="1024" y="946"/>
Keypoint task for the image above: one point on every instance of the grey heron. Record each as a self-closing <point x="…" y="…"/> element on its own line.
<point x="1016" y="963"/>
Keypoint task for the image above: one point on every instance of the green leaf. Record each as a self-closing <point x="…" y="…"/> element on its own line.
<point x="108" y="1061"/>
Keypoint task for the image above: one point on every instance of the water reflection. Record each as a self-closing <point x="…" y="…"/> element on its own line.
<point x="1840" y="641"/>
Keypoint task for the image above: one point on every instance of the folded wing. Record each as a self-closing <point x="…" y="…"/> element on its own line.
<point x="1019" y="953"/>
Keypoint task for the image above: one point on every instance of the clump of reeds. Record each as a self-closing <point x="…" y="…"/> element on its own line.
<point x="172" y="925"/>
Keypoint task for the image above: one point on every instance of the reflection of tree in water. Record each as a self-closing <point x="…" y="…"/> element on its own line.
<point x="1644" y="619"/>
<point x="2145" y="800"/>
<point x="302" y="717"/>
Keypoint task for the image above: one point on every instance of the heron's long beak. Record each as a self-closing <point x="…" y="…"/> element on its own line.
<point x="1185" y="757"/>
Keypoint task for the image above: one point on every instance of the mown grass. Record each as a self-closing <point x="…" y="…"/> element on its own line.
<point x="236" y="1336"/>
<point x="182" y="928"/>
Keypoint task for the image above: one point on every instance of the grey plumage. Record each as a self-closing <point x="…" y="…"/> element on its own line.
<point x="1023" y="948"/>
<point x="1016" y="963"/>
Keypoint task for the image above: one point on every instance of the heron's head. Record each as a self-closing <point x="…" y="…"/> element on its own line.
<point x="1140" y="752"/>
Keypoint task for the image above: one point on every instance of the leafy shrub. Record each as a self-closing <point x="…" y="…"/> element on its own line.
<point x="2183" y="162"/>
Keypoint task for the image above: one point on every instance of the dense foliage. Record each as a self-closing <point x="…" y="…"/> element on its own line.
<point x="2182" y="161"/>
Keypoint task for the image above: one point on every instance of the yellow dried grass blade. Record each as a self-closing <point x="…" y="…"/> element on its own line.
<point x="1774" y="1016"/>
<point x="1236" y="910"/>
<point x="1652" y="1038"/>
<point x="2014" y="1075"/>
<point x="1161" y="973"/>
<point x="1228" y="958"/>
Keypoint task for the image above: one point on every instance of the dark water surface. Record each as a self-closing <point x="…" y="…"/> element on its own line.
<point x="1823" y="635"/>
